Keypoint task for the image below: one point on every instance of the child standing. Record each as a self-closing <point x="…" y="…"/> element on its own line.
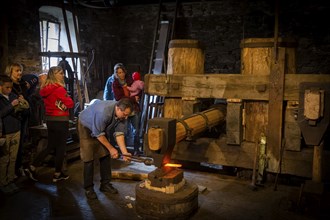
<point x="11" y="126"/>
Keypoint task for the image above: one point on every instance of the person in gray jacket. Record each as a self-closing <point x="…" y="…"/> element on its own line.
<point x="97" y="124"/>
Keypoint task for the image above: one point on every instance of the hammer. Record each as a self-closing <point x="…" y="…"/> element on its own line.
<point x="146" y="160"/>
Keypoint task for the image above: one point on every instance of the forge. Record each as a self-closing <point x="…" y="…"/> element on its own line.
<point x="166" y="195"/>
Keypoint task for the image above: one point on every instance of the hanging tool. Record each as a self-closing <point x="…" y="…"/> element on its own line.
<point x="262" y="160"/>
<point x="279" y="164"/>
<point x="253" y="183"/>
<point x="148" y="161"/>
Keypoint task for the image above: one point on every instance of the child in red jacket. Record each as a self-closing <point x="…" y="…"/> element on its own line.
<point x="137" y="86"/>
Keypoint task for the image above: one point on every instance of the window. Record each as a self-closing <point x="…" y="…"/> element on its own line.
<point x="50" y="41"/>
<point x="54" y="37"/>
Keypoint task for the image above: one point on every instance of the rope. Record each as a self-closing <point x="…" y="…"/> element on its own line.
<point x="188" y="129"/>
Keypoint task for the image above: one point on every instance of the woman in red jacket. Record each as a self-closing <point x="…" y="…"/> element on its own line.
<point x="57" y="103"/>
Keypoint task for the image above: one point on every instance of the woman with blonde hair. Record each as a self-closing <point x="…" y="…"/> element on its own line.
<point x="20" y="87"/>
<point x="57" y="103"/>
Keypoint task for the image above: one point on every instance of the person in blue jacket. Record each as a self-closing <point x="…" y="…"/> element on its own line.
<point x="108" y="93"/>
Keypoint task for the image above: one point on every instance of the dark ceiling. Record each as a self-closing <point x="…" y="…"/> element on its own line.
<point x="113" y="3"/>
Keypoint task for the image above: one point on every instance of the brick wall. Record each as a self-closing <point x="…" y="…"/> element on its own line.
<point x="23" y="35"/>
<point x="125" y="33"/>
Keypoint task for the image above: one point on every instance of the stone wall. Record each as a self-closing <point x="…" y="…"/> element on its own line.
<point x="22" y="26"/>
<point x="125" y="33"/>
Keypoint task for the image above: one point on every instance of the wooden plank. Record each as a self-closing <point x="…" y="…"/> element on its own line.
<point x="189" y="107"/>
<point x="255" y="119"/>
<point x="173" y="108"/>
<point x="234" y="123"/>
<point x="63" y="54"/>
<point x="218" y="152"/>
<point x="317" y="163"/>
<point x="292" y="133"/>
<point x="247" y="87"/>
<point x="275" y="108"/>
<point x="127" y="175"/>
<point x="215" y="152"/>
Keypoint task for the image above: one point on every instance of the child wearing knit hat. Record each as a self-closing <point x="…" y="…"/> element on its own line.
<point x="137" y="86"/>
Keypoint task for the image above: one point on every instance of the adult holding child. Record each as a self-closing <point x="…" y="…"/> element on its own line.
<point x="120" y="90"/>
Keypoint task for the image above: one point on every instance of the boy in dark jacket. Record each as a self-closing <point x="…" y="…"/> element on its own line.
<point x="11" y="132"/>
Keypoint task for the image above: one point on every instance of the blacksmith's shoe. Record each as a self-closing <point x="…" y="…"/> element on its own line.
<point x="107" y="187"/>
<point x="90" y="194"/>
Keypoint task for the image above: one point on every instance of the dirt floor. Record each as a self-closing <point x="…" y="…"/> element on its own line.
<point x="220" y="196"/>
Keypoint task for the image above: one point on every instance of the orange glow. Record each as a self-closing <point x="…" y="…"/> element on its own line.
<point x="173" y="165"/>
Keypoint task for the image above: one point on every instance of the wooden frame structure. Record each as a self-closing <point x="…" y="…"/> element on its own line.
<point x="239" y="87"/>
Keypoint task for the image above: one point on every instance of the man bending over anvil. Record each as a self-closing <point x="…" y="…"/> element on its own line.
<point x="94" y="124"/>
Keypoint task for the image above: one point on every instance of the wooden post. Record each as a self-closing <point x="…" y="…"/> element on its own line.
<point x="184" y="57"/>
<point x="275" y="112"/>
<point x="257" y="56"/>
<point x="317" y="163"/>
<point x="234" y="122"/>
<point x="292" y="133"/>
<point x="73" y="61"/>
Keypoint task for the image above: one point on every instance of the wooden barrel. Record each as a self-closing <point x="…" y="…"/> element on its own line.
<point x="185" y="56"/>
<point x="256" y="58"/>
<point x="256" y="55"/>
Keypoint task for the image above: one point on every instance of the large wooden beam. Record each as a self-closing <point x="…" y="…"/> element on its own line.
<point x="247" y="87"/>
<point x="275" y="104"/>
<point x="218" y="152"/>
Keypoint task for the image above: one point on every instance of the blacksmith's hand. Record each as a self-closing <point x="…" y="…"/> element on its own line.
<point x="127" y="158"/>
<point x="114" y="153"/>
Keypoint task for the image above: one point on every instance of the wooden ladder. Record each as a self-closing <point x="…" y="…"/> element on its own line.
<point x="164" y="32"/>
